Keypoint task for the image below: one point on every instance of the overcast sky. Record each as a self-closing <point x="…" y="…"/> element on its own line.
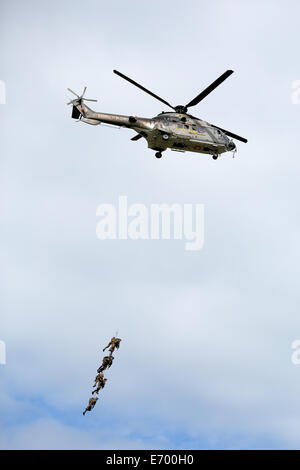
<point x="205" y="358"/>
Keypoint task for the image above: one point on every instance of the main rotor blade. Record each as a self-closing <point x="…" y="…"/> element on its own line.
<point x="88" y="99"/>
<point x="230" y="134"/>
<point x="209" y="89"/>
<point x="73" y="92"/>
<point x="143" y="88"/>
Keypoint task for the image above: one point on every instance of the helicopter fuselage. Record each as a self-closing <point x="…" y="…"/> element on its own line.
<point x="177" y="131"/>
<point x="182" y="132"/>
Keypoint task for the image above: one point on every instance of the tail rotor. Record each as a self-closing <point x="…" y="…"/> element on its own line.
<point x="79" y="99"/>
<point x="76" y="113"/>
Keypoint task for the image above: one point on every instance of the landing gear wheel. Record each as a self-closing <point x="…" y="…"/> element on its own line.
<point x="158" y="154"/>
<point x="215" y="157"/>
<point x="165" y="136"/>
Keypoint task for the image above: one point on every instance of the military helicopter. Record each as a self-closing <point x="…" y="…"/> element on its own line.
<point x="176" y="130"/>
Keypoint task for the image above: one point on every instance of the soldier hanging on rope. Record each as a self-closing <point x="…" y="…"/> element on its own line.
<point x="113" y="344"/>
<point x="101" y="384"/>
<point x="92" y="403"/>
<point x="98" y="379"/>
<point x="106" y="363"/>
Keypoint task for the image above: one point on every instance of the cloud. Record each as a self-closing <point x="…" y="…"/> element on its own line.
<point x="52" y="435"/>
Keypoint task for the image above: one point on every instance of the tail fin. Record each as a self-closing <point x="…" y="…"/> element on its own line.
<point x="75" y="113"/>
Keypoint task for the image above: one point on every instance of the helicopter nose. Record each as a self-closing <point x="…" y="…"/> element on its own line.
<point x="231" y="145"/>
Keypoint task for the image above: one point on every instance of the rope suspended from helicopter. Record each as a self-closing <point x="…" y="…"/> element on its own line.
<point x="100" y="381"/>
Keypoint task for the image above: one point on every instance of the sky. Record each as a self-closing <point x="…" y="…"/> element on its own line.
<point x="205" y="359"/>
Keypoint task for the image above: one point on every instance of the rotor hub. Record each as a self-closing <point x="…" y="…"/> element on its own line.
<point x="181" y="109"/>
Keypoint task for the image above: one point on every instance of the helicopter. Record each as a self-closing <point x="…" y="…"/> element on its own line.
<point x="176" y="130"/>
